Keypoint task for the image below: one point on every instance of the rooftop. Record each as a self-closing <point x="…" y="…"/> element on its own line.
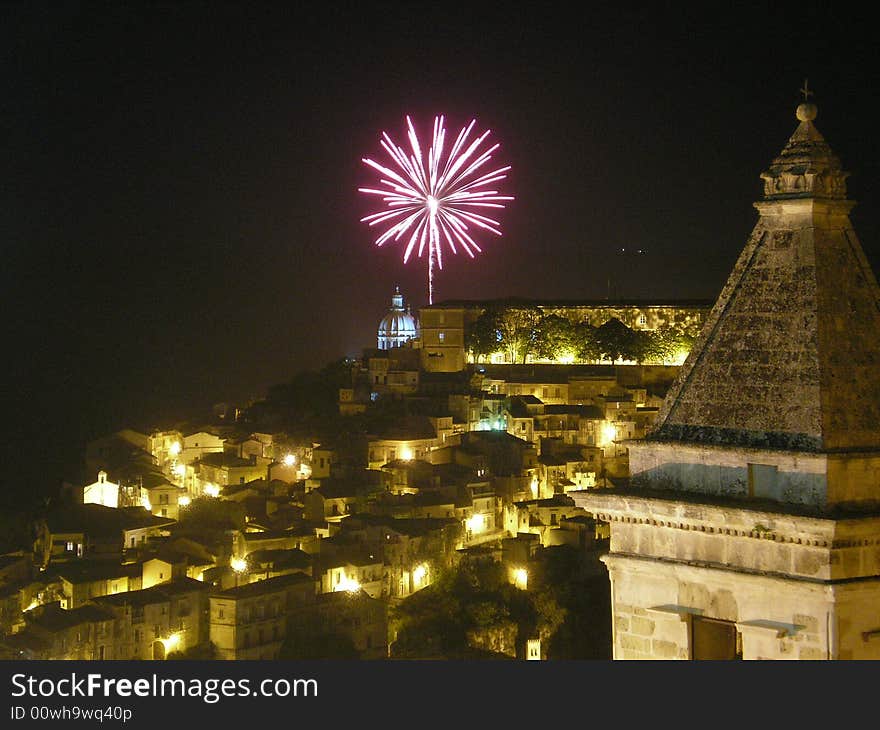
<point x="221" y="459"/>
<point x="771" y="368"/>
<point x="292" y="558"/>
<point x="159" y="593"/>
<point x="262" y="587"/>
<point x="554" y="303"/>
<point x="590" y="412"/>
<point x="83" y="571"/>
<point x="51" y="617"/>
<point x="409" y="428"/>
<point x="411" y="526"/>
<point x="557" y="500"/>
<point x="95" y="519"/>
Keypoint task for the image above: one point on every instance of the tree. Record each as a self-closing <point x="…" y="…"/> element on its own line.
<point x="580" y="612"/>
<point x="671" y="343"/>
<point x="585" y="345"/>
<point x="467" y="602"/>
<point x="483" y="337"/>
<point x="616" y="341"/>
<point x="309" y="398"/>
<point x="23" y="524"/>
<point x="317" y="644"/>
<point x="430" y="621"/>
<point x="554" y="338"/>
<point x="642" y="346"/>
<point x="516" y="326"/>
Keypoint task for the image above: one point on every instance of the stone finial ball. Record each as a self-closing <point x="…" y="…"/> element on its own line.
<point x="807" y="112"/>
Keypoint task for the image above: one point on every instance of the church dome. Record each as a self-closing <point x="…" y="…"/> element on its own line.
<point x="398" y="326"/>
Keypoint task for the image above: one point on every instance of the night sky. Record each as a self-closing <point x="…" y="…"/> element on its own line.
<point x="179" y="211"/>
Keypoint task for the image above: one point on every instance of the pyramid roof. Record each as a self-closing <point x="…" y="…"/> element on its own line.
<point x="789" y="356"/>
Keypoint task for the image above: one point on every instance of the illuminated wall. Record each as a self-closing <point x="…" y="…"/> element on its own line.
<point x="444" y="326"/>
<point x="102" y="492"/>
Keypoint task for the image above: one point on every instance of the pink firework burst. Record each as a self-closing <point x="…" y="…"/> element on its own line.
<point x="431" y="198"/>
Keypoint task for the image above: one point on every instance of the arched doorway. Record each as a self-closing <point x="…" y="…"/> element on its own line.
<point x="158" y="650"/>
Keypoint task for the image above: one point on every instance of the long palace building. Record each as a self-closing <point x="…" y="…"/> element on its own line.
<point x="443" y="327"/>
<point x="750" y="527"/>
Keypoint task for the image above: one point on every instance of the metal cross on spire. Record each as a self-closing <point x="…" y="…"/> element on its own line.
<point x="806" y="91"/>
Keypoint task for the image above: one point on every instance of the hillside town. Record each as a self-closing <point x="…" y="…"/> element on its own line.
<point x="509" y="479"/>
<point x="298" y="526"/>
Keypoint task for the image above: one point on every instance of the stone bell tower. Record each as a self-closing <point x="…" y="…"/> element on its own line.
<point x="751" y="524"/>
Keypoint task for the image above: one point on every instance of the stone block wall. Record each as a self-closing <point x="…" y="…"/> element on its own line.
<point x="751" y="540"/>
<point x="654" y="603"/>
<point x="801" y="478"/>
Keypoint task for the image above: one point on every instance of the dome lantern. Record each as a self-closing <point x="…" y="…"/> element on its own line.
<point x="398" y="326"/>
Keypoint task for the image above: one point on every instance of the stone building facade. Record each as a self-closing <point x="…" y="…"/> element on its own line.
<point x="444" y="326"/>
<point x="750" y="525"/>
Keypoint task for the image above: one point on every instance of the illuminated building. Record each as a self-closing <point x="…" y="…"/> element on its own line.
<point x="398" y="326"/>
<point x="324" y="457"/>
<point x="336" y="498"/>
<point x="101" y="492"/>
<point x="540" y="516"/>
<point x="222" y="469"/>
<point x="270" y="563"/>
<point x="533" y="650"/>
<point x="83" y="580"/>
<point x="478" y="507"/>
<point x="443" y="327"/>
<point x="750" y="526"/>
<point x="162" y="569"/>
<point x="413" y="550"/>
<point x="290" y="468"/>
<point x="163" y="496"/>
<point x="196" y="444"/>
<point x="152" y="622"/>
<point x="357" y="616"/>
<point x="250" y="621"/>
<point x="166" y="447"/>
<point x="412" y="437"/>
<point x="352" y="569"/>
<point x="392" y="372"/>
<point x="92" y="530"/>
<point x="249" y="447"/>
<point x="52" y="633"/>
<point x="128" y="624"/>
<point x="408" y="475"/>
